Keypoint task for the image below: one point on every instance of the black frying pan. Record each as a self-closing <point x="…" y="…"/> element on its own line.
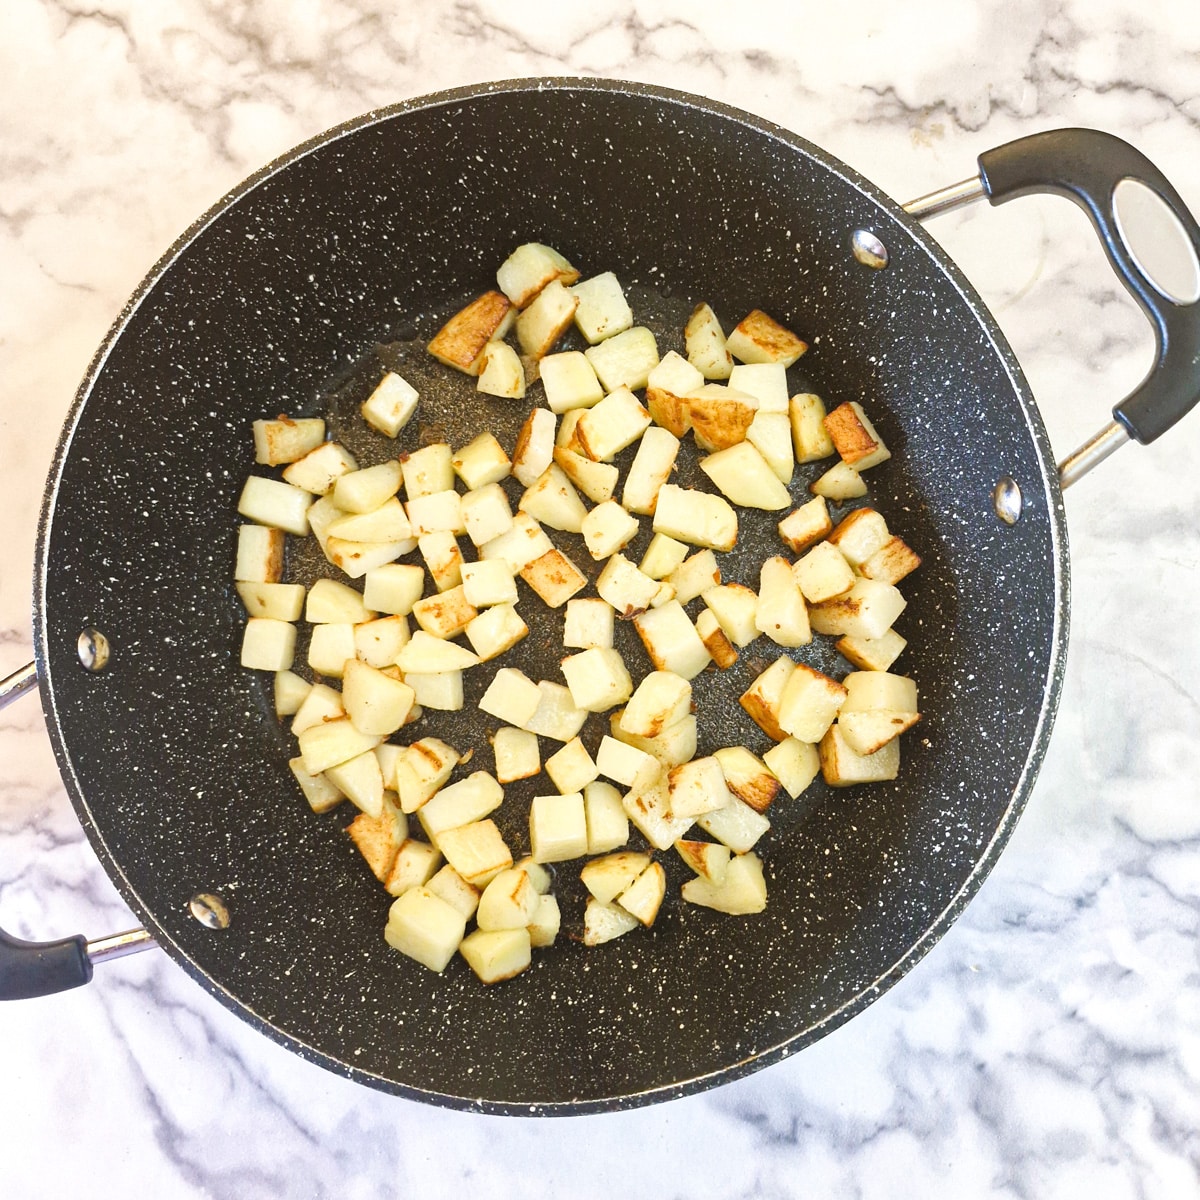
<point x="341" y="258"/>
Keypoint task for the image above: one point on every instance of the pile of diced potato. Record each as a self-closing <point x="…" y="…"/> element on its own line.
<point x="390" y="642"/>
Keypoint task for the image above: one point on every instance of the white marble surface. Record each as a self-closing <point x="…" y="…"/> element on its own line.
<point x="1049" y="1046"/>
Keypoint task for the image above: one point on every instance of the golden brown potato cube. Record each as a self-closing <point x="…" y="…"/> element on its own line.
<point x="854" y="436"/>
<point x="758" y="338"/>
<point x="379" y="838"/>
<point x="805" y="526"/>
<point x="842" y="767"/>
<point x="554" y="577"/>
<point x="720" y="416"/>
<point x="762" y="698"/>
<point x="891" y="562"/>
<point x="871" y="654"/>
<point x="445" y="614"/>
<point x="724" y="652"/>
<point x="529" y="268"/>
<point x="460" y="343"/>
<point x="545" y="320"/>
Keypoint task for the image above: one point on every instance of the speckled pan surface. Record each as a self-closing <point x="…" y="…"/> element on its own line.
<point x="277" y="301"/>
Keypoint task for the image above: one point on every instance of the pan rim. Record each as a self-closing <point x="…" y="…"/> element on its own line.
<point x="984" y="862"/>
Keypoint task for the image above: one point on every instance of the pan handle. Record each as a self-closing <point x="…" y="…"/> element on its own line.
<point x="30" y="969"/>
<point x="1118" y="187"/>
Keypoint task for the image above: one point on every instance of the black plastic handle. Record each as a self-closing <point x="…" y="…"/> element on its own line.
<point x="1086" y="165"/>
<point x="30" y="969"/>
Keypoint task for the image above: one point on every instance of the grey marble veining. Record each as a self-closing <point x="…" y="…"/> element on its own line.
<point x="1049" y="1046"/>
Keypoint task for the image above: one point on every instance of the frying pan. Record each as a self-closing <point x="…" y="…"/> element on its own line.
<point x="291" y="296"/>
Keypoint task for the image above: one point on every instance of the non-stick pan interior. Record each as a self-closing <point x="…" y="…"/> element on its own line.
<point x="289" y="298"/>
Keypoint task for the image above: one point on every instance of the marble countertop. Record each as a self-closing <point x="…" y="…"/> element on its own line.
<point x="1049" y="1045"/>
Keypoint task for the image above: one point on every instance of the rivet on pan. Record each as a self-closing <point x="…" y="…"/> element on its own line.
<point x="1007" y="500"/>
<point x="868" y="249"/>
<point x="210" y="910"/>
<point x="93" y="649"/>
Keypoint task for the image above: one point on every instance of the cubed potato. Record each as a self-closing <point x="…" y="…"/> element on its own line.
<point x="603" y="310"/>
<point x="428" y="470"/>
<point x="649" y="810"/>
<point x="770" y="434"/>
<point x="720" y="416"/>
<point x="810" y="439"/>
<point x="534" y="450"/>
<point x="378" y="643"/>
<point x="556" y="716"/>
<point x="393" y="588"/>
<point x="588" y="624"/>
<point x="522" y="545"/>
<point x="743" y="475"/>
<point x="892" y="562"/>
<point x="375" y="702"/>
<point x="544" y="927"/>
<point x="758" y="338"/>
<point x="762" y="698"/>
<point x="318" y="791"/>
<point x="696" y="788"/>
<point x="460" y="803"/>
<point x="596" y="480"/>
<point x="486" y="513"/>
<point x="859" y="534"/>
<point x="855" y="438"/>
<point x="839" y="484"/>
<point x="391" y="405"/>
<point x="488" y="582"/>
<point x="607" y="824"/>
<point x="708" y="859"/>
<point x="501" y="372"/>
<point x="516" y="753"/>
<point x="361" y="780"/>
<point x="426" y="654"/>
<point x="415" y="866"/>
<point x="476" y="851"/>
<point x="676" y="744"/>
<point x="781" y="613"/>
<point x="766" y="382"/>
<point x="867" y="610"/>
<point x="607" y="529"/>
<point x="440" y="690"/>
<point x="547" y="317"/>
<point x="449" y="885"/>
<point x="259" y="554"/>
<point x="598" y="679"/>
<point x="277" y="601"/>
<point x="357" y="558"/>
<point x="606" y="878"/>
<point x="747" y="777"/>
<point x="508" y="902"/>
<point x="557" y="828"/>
<point x="736" y="608"/>
<point x="722" y="651"/>
<point x="663" y="556"/>
<point x="495" y="630"/>
<point x="872" y="654"/>
<point x="699" y="518"/>
<point x="571" y="768"/>
<point x="604" y="922"/>
<point x="268" y="644"/>
<point x="626" y="764"/>
<point x="480" y="462"/>
<point x="623" y="586"/>
<point x="805" y="526"/>
<point x="671" y="640"/>
<point x="736" y="825"/>
<point x="706" y="345"/>
<point x="421" y="770"/>
<point x="695" y="576"/>
<point x="625" y="360"/>
<point x="332" y="602"/>
<point x="823" y="573"/>
<point x="529" y="268"/>
<point x="878" y="707"/>
<point x="320" y="469"/>
<point x="667" y="387"/>
<point x="659" y="700"/>
<point x="841" y="766"/>
<point x="436" y="511"/>
<point x="608" y="427"/>
<point x="322" y="704"/>
<point x="650" y="469"/>
<point x="378" y="839"/>
<point x="275" y="503"/>
<point x="570" y="381"/>
<point x="290" y="692"/>
<point x="552" y="500"/>
<point x="425" y="928"/>
<point x="644" y="896"/>
<point x="365" y="490"/>
<point x="742" y="892"/>
<point x="809" y="703"/>
<point x="794" y="763"/>
<point x="554" y="577"/>
<point x="286" y="439"/>
<point x="443" y="558"/>
<point x="461" y="341"/>
<point x="446" y="614"/>
<point x="387" y="523"/>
